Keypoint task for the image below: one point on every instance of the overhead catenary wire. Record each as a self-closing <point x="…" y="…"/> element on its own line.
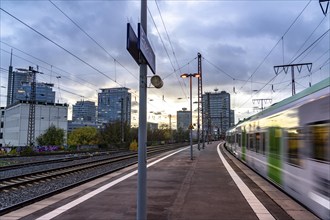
<point x="91" y="86"/>
<point x="312" y="44"/>
<point x="168" y="37"/>
<point x="307" y="39"/>
<point x="91" y="38"/>
<point x="227" y="74"/>
<point x="166" y="52"/>
<point x="259" y="90"/>
<point x="180" y="68"/>
<point x="62" y="48"/>
<point x="57" y="74"/>
<point x="58" y="45"/>
<point x="262" y="62"/>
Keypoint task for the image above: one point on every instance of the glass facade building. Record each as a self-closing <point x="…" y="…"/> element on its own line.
<point x="217" y="113"/>
<point x="19" y="89"/>
<point x="114" y="105"/>
<point x="84" y="111"/>
<point x="44" y="93"/>
<point x="15" y="82"/>
<point x="183" y="119"/>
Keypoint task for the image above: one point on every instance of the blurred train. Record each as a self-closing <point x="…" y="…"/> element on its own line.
<point x="289" y="144"/>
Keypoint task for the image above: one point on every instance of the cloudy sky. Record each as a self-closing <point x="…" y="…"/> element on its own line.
<point x="84" y="42"/>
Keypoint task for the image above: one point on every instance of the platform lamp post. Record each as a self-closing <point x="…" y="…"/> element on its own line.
<point x="186" y="75"/>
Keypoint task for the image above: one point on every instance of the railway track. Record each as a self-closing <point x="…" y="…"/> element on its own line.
<point x="20" y="190"/>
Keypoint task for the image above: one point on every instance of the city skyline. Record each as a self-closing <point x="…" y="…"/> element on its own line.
<point x="239" y="48"/>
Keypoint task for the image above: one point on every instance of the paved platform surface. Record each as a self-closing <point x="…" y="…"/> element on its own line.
<point x="178" y="189"/>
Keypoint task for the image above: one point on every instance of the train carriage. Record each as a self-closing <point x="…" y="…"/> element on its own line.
<point x="289" y="144"/>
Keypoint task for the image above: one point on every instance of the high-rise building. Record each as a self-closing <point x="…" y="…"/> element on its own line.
<point x="114" y="105"/>
<point x="183" y="119"/>
<point x="217" y="113"/>
<point x="232" y="118"/>
<point x="44" y="92"/>
<point x="84" y="111"/>
<point x="15" y="81"/>
<point x="19" y="88"/>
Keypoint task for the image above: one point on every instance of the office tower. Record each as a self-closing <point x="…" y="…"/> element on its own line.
<point x="15" y="81"/>
<point x="114" y="105"/>
<point x="217" y="113"/>
<point x="183" y="119"/>
<point x="84" y="111"/>
<point x="44" y="92"/>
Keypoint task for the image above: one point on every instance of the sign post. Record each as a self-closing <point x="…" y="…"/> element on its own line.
<point x="140" y="49"/>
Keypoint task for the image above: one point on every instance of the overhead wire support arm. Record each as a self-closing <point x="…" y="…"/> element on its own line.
<point x="286" y="68"/>
<point x="322" y="3"/>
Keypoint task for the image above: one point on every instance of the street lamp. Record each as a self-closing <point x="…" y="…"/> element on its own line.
<point x="186" y="75"/>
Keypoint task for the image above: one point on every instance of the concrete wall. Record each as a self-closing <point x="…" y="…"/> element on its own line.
<point x="16" y="121"/>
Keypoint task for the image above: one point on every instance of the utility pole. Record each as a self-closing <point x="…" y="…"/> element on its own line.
<point x="122" y="120"/>
<point x="299" y="67"/>
<point x="200" y="103"/>
<point x="32" y="103"/>
<point x="32" y="108"/>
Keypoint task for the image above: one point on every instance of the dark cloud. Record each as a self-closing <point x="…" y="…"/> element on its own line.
<point x="234" y="36"/>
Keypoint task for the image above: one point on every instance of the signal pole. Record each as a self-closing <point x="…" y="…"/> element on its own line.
<point x="299" y="67"/>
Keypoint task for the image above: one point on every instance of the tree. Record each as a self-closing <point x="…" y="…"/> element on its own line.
<point x="180" y="135"/>
<point x="157" y="136"/>
<point x="83" y="136"/>
<point x="115" y="135"/>
<point x="52" y="136"/>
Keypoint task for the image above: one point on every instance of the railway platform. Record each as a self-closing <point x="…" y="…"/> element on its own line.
<point x="212" y="186"/>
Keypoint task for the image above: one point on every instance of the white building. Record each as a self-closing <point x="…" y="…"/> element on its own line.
<point x="16" y="120"/>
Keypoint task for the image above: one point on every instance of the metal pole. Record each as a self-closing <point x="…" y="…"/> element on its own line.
<point x="142" y="134"/>
<point x="122" y="120"/>
<point x="293" y="81"/>
<point x="191" y="147"/>
<point x="198" y="122"/>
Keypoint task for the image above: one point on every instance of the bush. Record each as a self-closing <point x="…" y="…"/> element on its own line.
<point x="28" y="151"/>
<point x="133" y="146"/>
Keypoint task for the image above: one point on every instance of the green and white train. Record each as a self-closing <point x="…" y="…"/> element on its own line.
<point x="289" y="144"/>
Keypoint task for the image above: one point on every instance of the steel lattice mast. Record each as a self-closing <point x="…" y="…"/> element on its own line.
<point x="200" y="115"/>
<point x="32" y="103"/>
<point x="32" y="108"/>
